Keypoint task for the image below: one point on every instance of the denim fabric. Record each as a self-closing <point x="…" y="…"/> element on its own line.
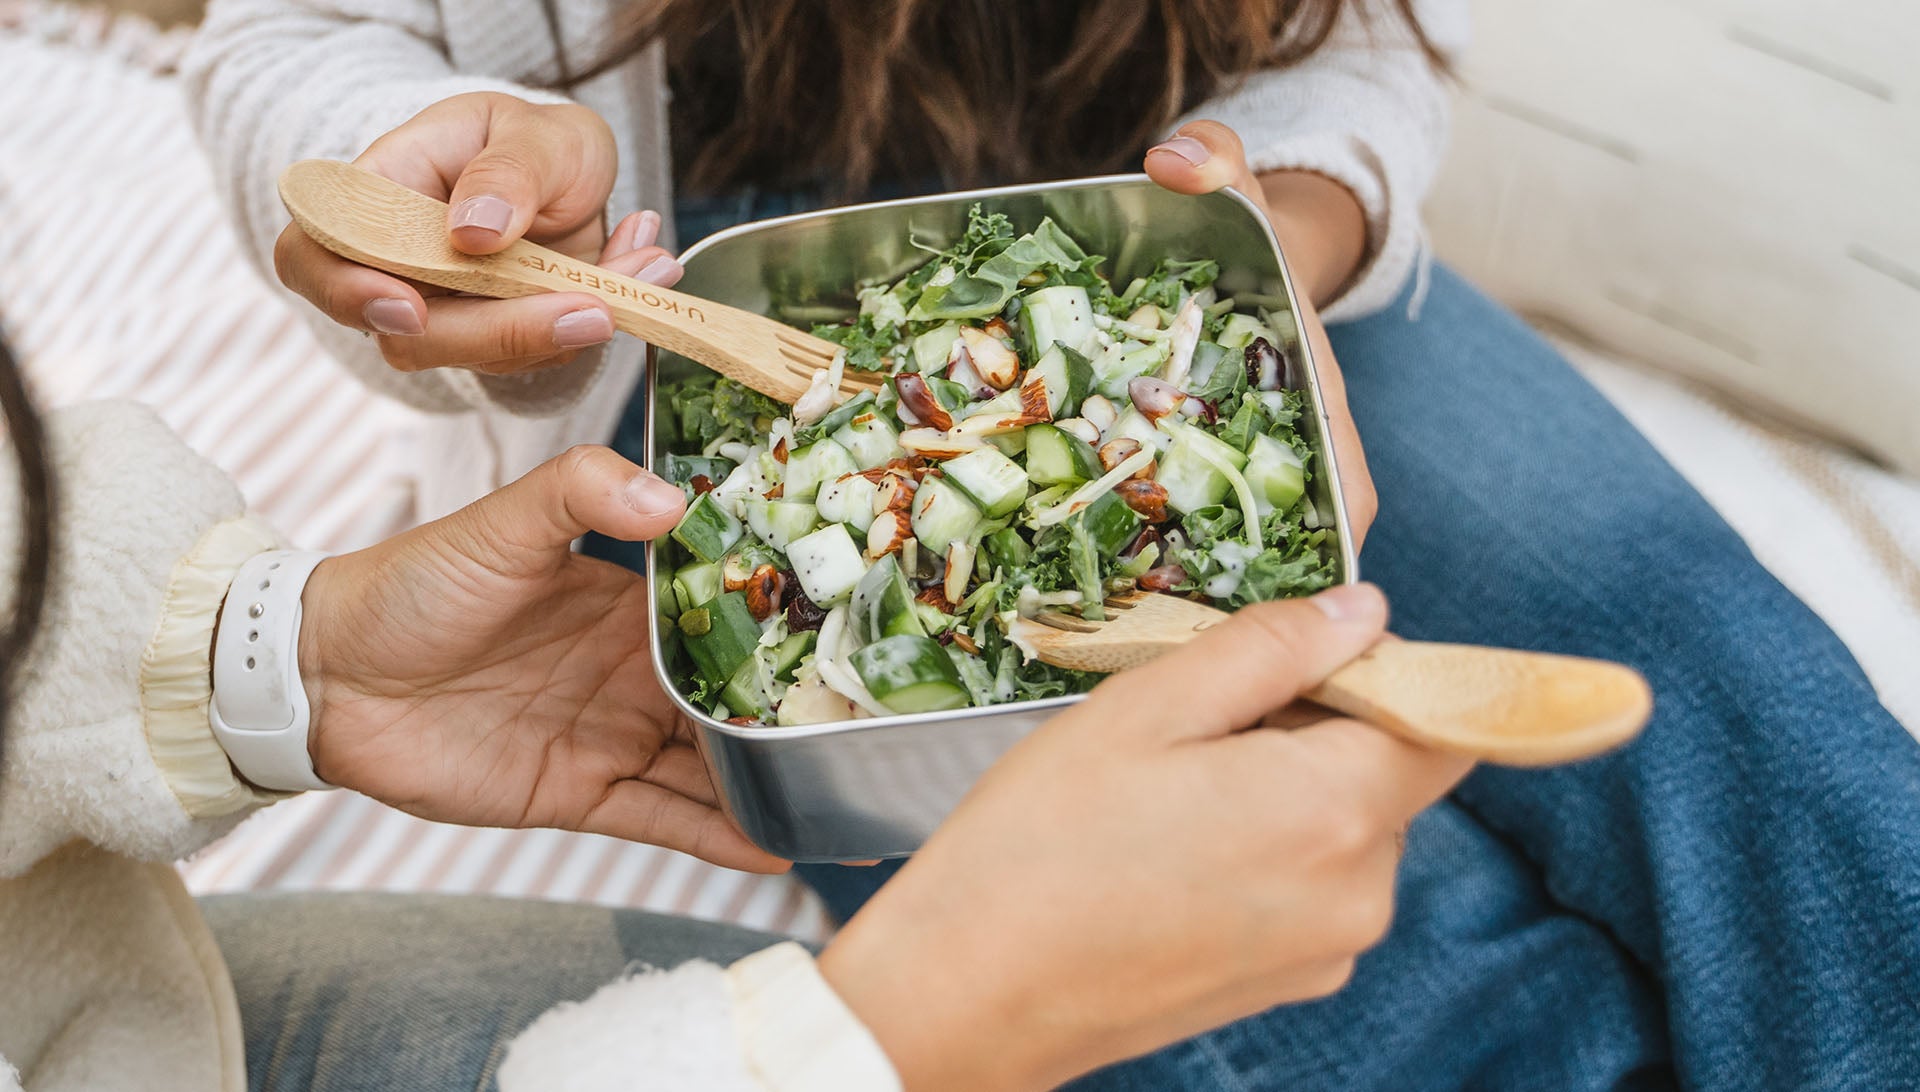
<point x="1731" y="903"/>
<point x="382" y="993"/>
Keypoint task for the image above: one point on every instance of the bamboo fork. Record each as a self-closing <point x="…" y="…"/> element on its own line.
<point x="1499" y="705"/>
<point x="375" y="221"/>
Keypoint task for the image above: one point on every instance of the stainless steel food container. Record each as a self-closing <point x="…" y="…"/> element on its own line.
<point x="877" y="788"/>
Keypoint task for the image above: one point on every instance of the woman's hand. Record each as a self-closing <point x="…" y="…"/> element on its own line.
<point x="476" y="670"/>
<point x="1323" y="233"/>
<point x="1144" y="868"/>
<point x="510" y="169"/>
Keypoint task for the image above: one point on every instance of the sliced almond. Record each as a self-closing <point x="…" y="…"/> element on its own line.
<point x="1081" y="427"/>
<point x="1100" y="411"/>
<point x="916" y="397"/>
<point x="1033" y="398"/>
<point x="994" y="362"/>
<point x="888" y="533"/>
<point x="938" y="444"/>
<point x="959" y="570"/>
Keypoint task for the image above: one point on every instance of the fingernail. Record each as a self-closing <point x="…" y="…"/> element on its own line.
<point x="1350" y="603"/>
<point x="660" y="271"/>
<point x="1186" y="148"/>
<point x="486" y="212"/>
<point x="579" y="329"/>
<point x="648" y="231"/>
<point x="651" y="495"/>
<point x="389" y="315"/>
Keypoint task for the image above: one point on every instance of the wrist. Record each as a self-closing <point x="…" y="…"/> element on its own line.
<point x="1322" y="229"/>
<point x="946" y="1013"/>
<point x="315" y="600"/>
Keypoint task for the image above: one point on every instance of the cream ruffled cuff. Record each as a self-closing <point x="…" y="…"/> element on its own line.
<point x="796" y="1033"/>
<point x="176" y="683"/>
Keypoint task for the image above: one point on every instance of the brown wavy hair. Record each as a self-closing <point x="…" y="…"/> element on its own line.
<point x="838" y="92"/>
<point x="35" y="557"/>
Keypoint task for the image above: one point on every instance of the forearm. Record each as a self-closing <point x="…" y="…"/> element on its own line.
<point x="1322" y="230"/>
<point x="109" y="739"/>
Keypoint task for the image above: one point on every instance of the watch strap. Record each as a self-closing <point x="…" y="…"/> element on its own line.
<point x="259" y="709"/>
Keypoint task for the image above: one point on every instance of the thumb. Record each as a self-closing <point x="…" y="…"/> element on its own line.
<point x="585" y="488"/>
<point x="1201" y="157"/>
<point x="1252" y="663"/>
<point x="547" y="173"/>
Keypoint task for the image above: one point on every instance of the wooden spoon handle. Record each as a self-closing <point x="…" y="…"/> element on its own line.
<point x="1500" y="705"/>
<point x="375" y="221"/>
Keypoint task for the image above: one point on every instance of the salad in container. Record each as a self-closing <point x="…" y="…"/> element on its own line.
<point x="1045" y="437"/>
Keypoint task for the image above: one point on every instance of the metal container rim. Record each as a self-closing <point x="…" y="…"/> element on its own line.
<point x="1348" y="559"/>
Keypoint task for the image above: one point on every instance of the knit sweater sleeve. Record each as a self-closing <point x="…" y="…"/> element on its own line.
<point x="107" y="735"/>
<point x="271" y="82"/>
<point x="1368" y="110"/>
<point x="769" y="1023"/>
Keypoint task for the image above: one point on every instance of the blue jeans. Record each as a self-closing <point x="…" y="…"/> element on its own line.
<point x="1733" y="902"/>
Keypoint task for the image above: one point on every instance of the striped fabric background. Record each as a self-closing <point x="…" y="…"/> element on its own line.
<point x="120" y="278"/>
<point x="344" y="841"/>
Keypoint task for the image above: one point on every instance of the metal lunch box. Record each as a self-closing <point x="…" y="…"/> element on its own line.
<point x="878" y="787"/>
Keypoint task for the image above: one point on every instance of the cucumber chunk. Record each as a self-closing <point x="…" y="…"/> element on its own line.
<point x="910" y="674"/>
<point x="749" y="690"/>
<point x="789" y="652"/>
<point x="1192" y="482"/>
<point x="1110" y="524"/>
<point x="1275" y="473"/>
<point x="707" y="530"/>
<point x="931" y="349"/>
<point x="729" y="639"/>
<point x="941" y="514"/>
<point x="1239" y="331"/>
<point x="778" y="523"/>
<point x="870" y="440"/>
<point x="811" y="466"/>
<point x="1069" y="378"/>
<point x="696" y="584"/>
<point x="1055" y="457"/>
<point x="990" y="479"/>
<point x="1113" y="371"/>
<point x="827" y="564"/>
<point x="849" y="500"/>
<point x="682" y="469"/>
<point x="1062" y="313"/>
<point x="883" y="603"/>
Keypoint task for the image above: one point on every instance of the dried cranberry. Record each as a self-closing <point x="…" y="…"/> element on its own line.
<point x="701" y="484"/>
<point x="802" y="613"/>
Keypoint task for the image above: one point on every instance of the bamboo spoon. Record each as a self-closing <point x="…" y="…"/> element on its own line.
<point x="377" y="222"/>
<point x="1499" y="705"/>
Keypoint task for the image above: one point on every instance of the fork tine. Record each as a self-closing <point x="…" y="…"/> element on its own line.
<point x="1069" y="622"/>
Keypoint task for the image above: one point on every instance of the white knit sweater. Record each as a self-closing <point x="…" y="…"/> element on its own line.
<point x="275" y="81"/>
<point x="109" y="979"/>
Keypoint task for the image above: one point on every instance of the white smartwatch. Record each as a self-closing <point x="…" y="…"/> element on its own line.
<point x="259" y="708"/>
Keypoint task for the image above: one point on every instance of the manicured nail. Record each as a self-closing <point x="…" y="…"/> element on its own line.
<point x="1350" y="603"/>
<point x="662" y="271"/>
<point x="486" y="212"/>
<point x="579" y="329"/>
<point x="389" y="315"/>
<point x="648" y="231"/>
<point x="1186" y="148"/>
<point x="651" y="495"/>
